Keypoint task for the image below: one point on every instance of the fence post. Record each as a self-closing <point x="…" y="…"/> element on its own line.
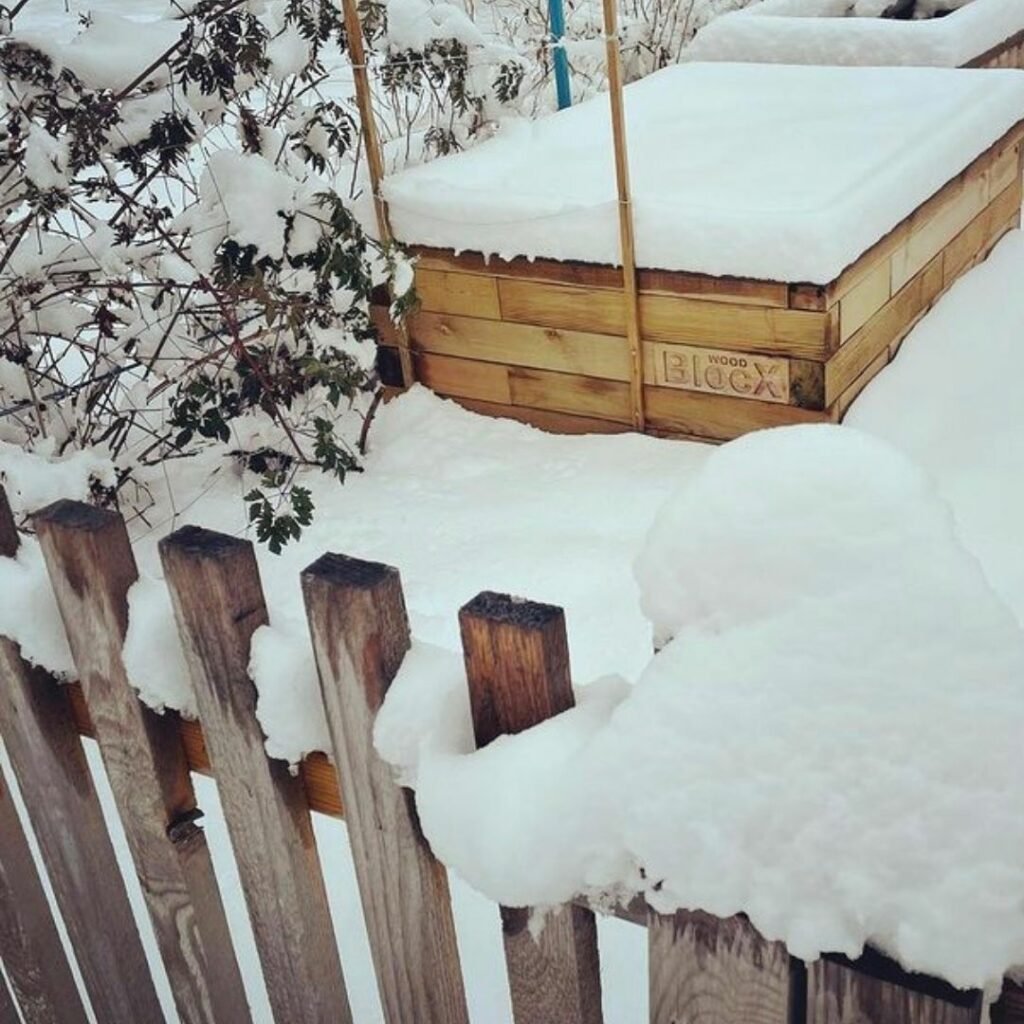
<point x="218" y="603"/>
<point x="92" y="567"/>
<point x="716" y="970"/>
<point x="30" y="945"/>
<point x="46" y="754"/>
<point x="517" y="665"/>
<point x="360" y="634"/>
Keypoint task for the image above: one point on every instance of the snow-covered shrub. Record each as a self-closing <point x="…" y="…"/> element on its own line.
<point x="178" y="268"/>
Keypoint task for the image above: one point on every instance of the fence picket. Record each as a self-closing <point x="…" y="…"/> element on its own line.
<point x="218" y="602"/>
<point x="30" y="946"/>
<point x="360" y="634"/>
<point x="517" y="665"/>
<point x="715" y="971"/>
<point x="45" y="751"/>
<point x="92" y="567"/>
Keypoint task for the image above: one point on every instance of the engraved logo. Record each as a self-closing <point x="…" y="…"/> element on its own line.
<point x="737" y="374"/>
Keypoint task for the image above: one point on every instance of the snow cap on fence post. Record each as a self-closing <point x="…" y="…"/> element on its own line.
<point x="517" y="667"/>
<point x="360" y="633"/>
<point x="218" y="603"/>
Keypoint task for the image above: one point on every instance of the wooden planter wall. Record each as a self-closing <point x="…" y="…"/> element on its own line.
<point x="544" y="342"/>
<point x="1008" y="54"/>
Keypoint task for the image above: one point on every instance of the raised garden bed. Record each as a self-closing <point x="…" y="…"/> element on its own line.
<point x="981" y="34"/>
<point x="861" y="254"/>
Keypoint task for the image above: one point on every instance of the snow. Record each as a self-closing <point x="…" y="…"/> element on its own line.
<point x="714" y="191"/>
<point x="816" y="32"/>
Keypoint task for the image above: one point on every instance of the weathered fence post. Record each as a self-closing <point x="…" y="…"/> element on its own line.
<point x="360" y="633"/>
<point x="218" y="602"/>
<point x="716" y="971"/>
<point x="46" y="754"/>
<point x="517" y="664"/>
<point x="30" y="945"/>
<point x="92" y="567"/>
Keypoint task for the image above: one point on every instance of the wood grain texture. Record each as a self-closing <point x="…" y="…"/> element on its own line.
<point x="706" y="970"/>
<point x="8" y="1011"/>
<point x="517" y="666"/>
<point x="545" y="419"/>
<point x="463" y="378"/>
<point x="360" y="634"/>
<point x="41" y="739"/>
<point x="465" y="294"/>
<point x="218" y="604"/>
<point x="91" y="567"/>
<point x="571" y="393"/>
<point x="840" y="992"/>
<point x="30" y="946"/>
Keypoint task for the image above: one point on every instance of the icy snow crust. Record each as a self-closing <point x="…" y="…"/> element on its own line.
<point x="816" y="32"/>
<point x="779" y="173"/>
<point x="825" y="744"/>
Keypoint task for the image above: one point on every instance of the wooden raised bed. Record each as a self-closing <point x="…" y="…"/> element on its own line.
<point x="544" y="342"/>
<point x="1008" y="54"/>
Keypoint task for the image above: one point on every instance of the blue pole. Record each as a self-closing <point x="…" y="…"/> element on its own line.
<point x="561" y="61"/>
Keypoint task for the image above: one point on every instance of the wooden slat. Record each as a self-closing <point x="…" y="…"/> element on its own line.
<point x="719" y="418"/>
<point x="874" y="989"/>
<point x="360" y="633"/>
<point x="867" y="375"/>
<point x="91" y="567"/>
<point x="465" y="294"/>
<point x="974" y="243"/>
<point x="570" y="393"/>
<point x="1008" y="54"/>
<point x="894" y="320"/>
<point x="464" y="378"/>
<point x="668" y="318"/>
<point x="706" y="970"/>
<point x="30" y="946"/>
<point x="597" y="275"/>
<point x="319" y="779"/>
<point x="517" y="666"/>
<point x="8" y="1011"/>
<point x="864" y="300"/>
<point x="46" y="754"/>
<point x="218" y="604"/>
<point x="512" y="344"/>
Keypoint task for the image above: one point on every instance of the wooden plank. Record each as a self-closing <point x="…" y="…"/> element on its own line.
<point x="8" y="1011"/>
<point x="598" y="275"/>
<point x="1003" y="172"/>
<point x="218" y="604"/>
<point x="30" y="946"/>
<point x="463" y="378"/>
<point x="868" y="374"/>
<point x="706" y="970"/>
<point x="893" y="321"/>
<point x="545" y="419"/>
<point x="46" y="755"/>
<point x="467" y="294"/>
<point x="668" y="318"/>
<point x="928" y="237"/>
<point x="873" y="988"/>
<point x="91" y="567"/>
<point x="974" y="243"/>
<point x="517" y="666"/>
<point x="1008" y="54"/>
<point x="570" y="393"/>
<point x="319" y="779"/>
<point x="513" y="344"/>
<point x="744" y="375"/>
<point x="720" y="418"/>
<point x="360" y="633"/>
<point x="864" y="300"/>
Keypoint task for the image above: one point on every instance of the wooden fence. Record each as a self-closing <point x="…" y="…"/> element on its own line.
<point x="702" y="970"/>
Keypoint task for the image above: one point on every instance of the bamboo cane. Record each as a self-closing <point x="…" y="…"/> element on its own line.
<point x="626" y="239"/>
<point x="374" y="159"/>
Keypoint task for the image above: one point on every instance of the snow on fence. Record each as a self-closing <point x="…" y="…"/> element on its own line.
<point x="702" y="969"/>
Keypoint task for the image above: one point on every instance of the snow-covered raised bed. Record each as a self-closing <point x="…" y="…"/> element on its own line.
<point x="982" y="33"/>
<point x="792" y="223"/>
